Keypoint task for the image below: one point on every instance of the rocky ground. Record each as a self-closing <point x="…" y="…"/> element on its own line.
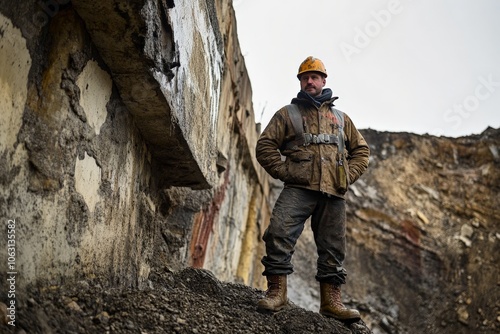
<point x="189" y="301"/>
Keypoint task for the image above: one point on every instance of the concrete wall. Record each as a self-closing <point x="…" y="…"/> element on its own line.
<point x="127" y="141"/>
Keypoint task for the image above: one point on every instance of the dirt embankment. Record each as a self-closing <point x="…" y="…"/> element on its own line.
<point x="189" y="301"/>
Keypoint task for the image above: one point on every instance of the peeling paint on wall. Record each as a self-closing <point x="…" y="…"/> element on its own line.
<point x="15" y="62"/>
<point x="88" y="180"/>
<point x="95" y="90"/>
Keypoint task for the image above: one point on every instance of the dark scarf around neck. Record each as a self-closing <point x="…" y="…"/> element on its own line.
<point x="325" y="95"/>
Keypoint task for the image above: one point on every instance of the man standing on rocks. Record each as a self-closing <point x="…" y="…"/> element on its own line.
<point x="323" y="153"/>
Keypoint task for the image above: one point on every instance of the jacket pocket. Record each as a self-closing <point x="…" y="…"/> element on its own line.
<point x="299" y="168"/>
<point x="342" y="175"/>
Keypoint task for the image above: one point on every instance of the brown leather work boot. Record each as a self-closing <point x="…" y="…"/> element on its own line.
<point x="276" y="294"/>
<point x="331" y="304"/>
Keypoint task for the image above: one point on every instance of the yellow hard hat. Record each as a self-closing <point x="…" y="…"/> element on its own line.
<point x="312" y="64"/>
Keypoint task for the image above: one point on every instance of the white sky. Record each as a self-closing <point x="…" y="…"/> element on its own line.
<point x="421" y="66"/>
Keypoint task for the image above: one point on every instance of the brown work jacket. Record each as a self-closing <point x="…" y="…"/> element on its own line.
<point x="313" y="166"/>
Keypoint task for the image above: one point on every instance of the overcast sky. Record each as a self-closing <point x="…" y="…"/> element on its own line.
<point x="426" y="66"/>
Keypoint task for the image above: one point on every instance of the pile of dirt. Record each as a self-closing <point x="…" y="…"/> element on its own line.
<point x="188" y="301"/>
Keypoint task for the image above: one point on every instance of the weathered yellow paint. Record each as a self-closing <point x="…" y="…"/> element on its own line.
<point x="88" y="180"/>
<point x="245" y="265"/>
<point x="248" y="267"/>
<point x="15" y="64"/>
<point x="95" y="90"/>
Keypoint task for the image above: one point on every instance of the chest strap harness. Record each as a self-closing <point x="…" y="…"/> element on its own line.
<point x="305" y="139"/>
<point x="322" y="138"/>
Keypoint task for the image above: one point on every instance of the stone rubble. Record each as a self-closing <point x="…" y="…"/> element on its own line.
<point x="188" y="301"/>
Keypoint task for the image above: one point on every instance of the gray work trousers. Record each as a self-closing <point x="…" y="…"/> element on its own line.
<point x="293" y="207"/>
